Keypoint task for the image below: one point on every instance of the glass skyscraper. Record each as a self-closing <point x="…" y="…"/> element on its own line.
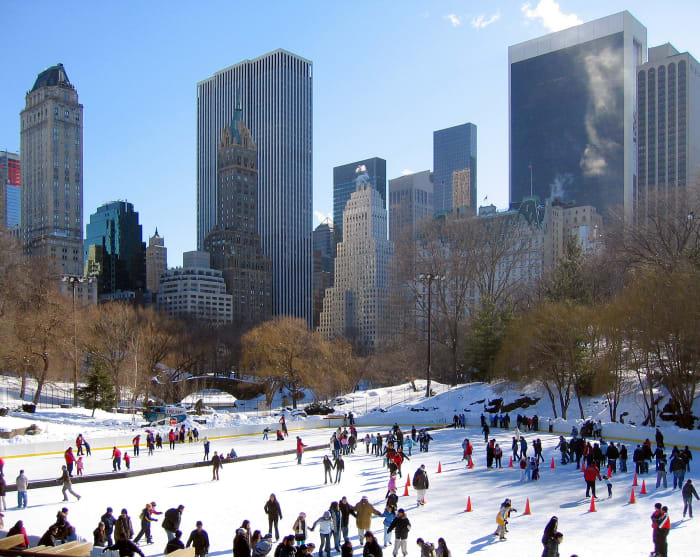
<point x="453" y="149"/>
<point x="344" y="185"/>
<point x="275" y="91"/>
<point x="572" y="113"/>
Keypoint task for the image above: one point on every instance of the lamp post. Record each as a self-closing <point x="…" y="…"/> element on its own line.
<point x="429" y="278"/>
<point x="74" y="282"/>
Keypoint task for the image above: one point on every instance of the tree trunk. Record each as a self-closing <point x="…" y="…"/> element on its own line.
<point x="41" y="380"/>
<point x="551" y="399"/>
<point x="23" y="386"/>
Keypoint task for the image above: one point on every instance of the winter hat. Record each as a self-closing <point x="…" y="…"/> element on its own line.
<point x="327" y="515"/>
<point x="268" y="536"/>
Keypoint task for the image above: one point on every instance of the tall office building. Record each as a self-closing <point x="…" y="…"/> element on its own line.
<point x="453" y="149"/>
<point x="234" y="244"/>
<point x="668" y="129"/>
<point x="462" y="191"/>
<point x="572" y="103"/>
<point x="10" y="183"/>
<point x="355" y="307"/>
<point x="324" y="250"/>
<point x="344" y="178"/>
<point x="275" y="91"/>
<point x="156" y="261"/>
<point x="52" y="167"/>
<point x="410" y="202"/>
<point x="114" y="251"/>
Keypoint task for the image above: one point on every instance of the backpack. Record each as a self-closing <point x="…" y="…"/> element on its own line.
<point x="428" y="550"/>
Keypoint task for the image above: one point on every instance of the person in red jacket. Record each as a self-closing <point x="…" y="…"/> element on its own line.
<point x="590" y="475"/>
<point x="127" y="460"/>
<point x="136" y="441"/>
<point x="19" y="529"/>
<point x="70" y="459"/>
<point x="300" y="449"/>
<point x="116" y="459"/>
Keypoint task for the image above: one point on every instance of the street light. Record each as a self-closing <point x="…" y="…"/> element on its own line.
<point x="74" y="282"/>
<point x="429" y="278"/>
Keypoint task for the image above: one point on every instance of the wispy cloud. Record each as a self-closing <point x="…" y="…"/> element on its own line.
<point x="320" y="217"/>
<point x="481" y="21"/>
<point x="455" y="20"/>
<point x="549" y="13"/>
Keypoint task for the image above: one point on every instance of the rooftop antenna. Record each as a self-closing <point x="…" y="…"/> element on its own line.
<point x="530" y="167"/>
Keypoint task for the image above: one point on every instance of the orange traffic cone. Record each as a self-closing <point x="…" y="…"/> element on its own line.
<point x="634" y="483"/>
<point x="422" y="501"/>
<point x="405" y="491"/>
<point x="552" y="465"/>
<point x="469" y="505"/>
<point x="408" y="480"/>
<point x="592" y="509"/>
<point x="439" y="467"/>
<point x="527" y="507"/>
<point x="511" y="462"/>
<point x="643" y="491"/>
<point x="632" y="500"/>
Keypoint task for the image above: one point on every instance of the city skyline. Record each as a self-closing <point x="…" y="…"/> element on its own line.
<point x="148" y="121"/>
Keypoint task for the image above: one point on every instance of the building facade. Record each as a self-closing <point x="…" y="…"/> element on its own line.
<point x="344" y="182"/>
<point x="114" y="252"/>
<point x="275" y="91"/>
<point x="52" y="165"/>
<point x="453" y="149"/>
<point x="156" y="261"/>
<point x="324" y="250"/>
<point x="10" y="184"/>
<point x="668" y="128"/>
<point x="461" y="191"/>
<point x="355" y="307"/>
<point x="572" y="103"/>
<point x="234" y="244"/>
<point x="195" y="291"/>
<point x="410" y="202"/>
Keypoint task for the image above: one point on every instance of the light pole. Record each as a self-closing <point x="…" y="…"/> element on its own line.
<point x="429" y="278"/>
<point x="74" y="282"/>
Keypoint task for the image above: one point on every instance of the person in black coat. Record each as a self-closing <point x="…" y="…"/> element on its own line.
<point x="200" y="540"/>
<point x="549" y="535"/>
<point x="175" y="543"/>
<point x="346" y="509"/>
<point x="126" y="548"/>
<point x="401" y="525"/>
<point x="327" y="470"/>
<point x="371" y="548"/>
<point x="274" y="515"/>
<point x="49" y="537"/>
<point x="241" y="547"/>
<point x="171" y="521"/>
<point x="109" y="522"/>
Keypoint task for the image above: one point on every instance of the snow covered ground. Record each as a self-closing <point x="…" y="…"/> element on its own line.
<point x="616" y="528"/>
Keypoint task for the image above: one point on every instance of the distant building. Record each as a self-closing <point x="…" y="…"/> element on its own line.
<point x="276" y="93"/>
<point x="10" y="184"/>
<point x="324" y="249"/>
<point x="344" y="181"/>
<point x="114" y="252"/>
<point x="453" y="149"/>
<point x="572" y="106"/>
<point x="156" y="261"/>
<point x="195" y="290"/>
<point x="52" y="167"/>
<point x="234" y="244"/>
<point x="668" y="129"/>
<point x="85" y="290"/>
<point x="355" y="307"/>
<point x="410" y="202"/>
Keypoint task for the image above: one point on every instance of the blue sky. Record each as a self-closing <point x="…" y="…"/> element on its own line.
<point x="386" y="75"/>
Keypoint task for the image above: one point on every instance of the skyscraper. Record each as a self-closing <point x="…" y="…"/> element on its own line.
<point x="355" y="307"/>
<point x="668" y="129"/>
<point x="114" y="250"/>
<point x="156" y="261"/>
<point x="410" y="201"/>
<point x="572" y="113"/>
<point x="52" y="167"/>
<point x="453" y="149"/>
<point x="10" y="183"/>
<point x="275" y="91"/>
<point x="324" y="251"/>
<point x="344" y="178"/>
<point x="234" y="244"/>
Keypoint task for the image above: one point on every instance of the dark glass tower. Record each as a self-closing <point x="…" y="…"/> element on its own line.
<point x="344" y="185"/>
<point x="113" y="249"/>
<point x="453" y="149"/>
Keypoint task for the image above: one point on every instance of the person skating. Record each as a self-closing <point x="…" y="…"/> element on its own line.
<point x="123" y="528"/>
<point x="334" y="509"/>
<point x="136" y="441"/>
<point x="274" y="515"/>
<point x="99" y="536"/>
<point x="300" y="449"/>
<point x="116" y="459"/>
<point x="22" y="485"/>
<point x="146" y="520"/>
<point x="501" y="520"/>
<point x="442" y="549"/>
<point x="327" y="470"/>
<point x="663" y="527"/>
<point x="216" y="463"/>
<point x="421" y="484"/>
<point x="389" y="515"/>
<point x="176" y="543"/>
<point x="171" y="521"/>
<point x="339" y="468"/>
<point x="590" y="475"/>
<point x="263" y="546"/>
<point x="552" y="547"/>
<point x="688" y="492"/>
<point x="346" y="509"/>
<point x="549" y="536"/>
<point x="427" y="549"/>
<point x="70" y="460"/>
<point x="400" y="526"/>
<point x="325" y="528"/>
<point x="363" y="513"/>
<point x="283" y="421"/>
<point x="205" y="444"/>
<point x="127" y="460"/>
<point x="371" y="548"/>
<point x="507" y="507"/>
<point x="299" y="528"/>
<point x="199" y="539"/>
<point x="67" y="485"/>
<point x="241" y="544"/>
<point x="126" y="548"/>
<point x="109" y="521"/>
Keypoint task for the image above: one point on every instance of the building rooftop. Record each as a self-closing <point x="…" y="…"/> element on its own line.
<point x="51" y="77"/>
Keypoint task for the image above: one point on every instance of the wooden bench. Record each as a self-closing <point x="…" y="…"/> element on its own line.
<point x="12" y="541"/>
<point x="187" y="552"/>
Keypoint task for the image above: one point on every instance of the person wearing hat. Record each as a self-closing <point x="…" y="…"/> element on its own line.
<point x="371" y="548"/>
<point x="363" y="512"/>
<point x="109" y="521"/>
<point x="263" y="547"/>
<point x="688" y="492"/>
<point x="171" y="521"/>
<point x="199" y="539"/>
<point x="421" y="485"/>
<point x="241" y="545"/>
<point x="123" y="528"/>
<point x="299" y="528"/>
<point x="325" y="528"/>
<point x="67" y="484"/>
<point x="146" y="520"/>
<point x="401" y="526"/>
<point x="502" y="520"/>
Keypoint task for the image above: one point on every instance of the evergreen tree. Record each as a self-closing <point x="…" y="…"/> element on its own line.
<point x="98" y="391"/>
<point x="569" y="281"/>
<point x="485" y="338"/>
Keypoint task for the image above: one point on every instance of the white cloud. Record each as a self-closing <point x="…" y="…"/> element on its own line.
<point x="550" y="15"/>
<point x="455" y="20"/>
<point x="320" y="217"/>
<point x="481" y="21"/>
<point x="406" y="172"/>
